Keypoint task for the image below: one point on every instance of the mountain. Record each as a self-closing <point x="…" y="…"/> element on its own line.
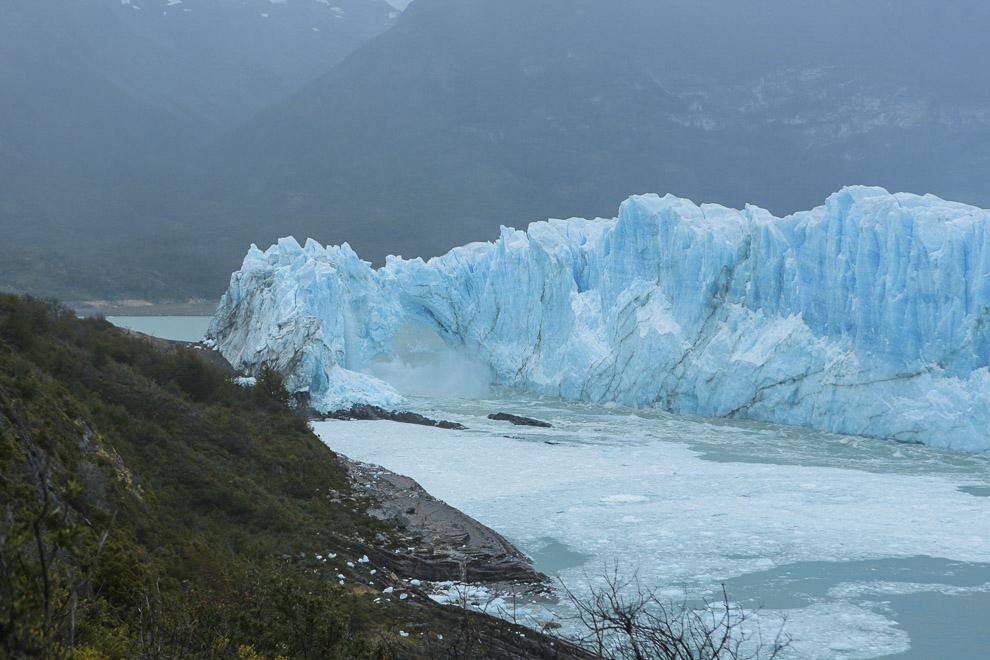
<point x="473" y="113"/>
<point x="869" y="315"/>
<point x="103" y="98"/>
<point x="468" y="114"/>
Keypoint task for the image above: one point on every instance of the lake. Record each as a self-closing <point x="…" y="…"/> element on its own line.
<point x="859" y="548"/>
<point x="176" y="328"/>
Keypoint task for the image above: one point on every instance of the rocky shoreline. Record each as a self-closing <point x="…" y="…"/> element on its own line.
<point x="138" y="307"/>
<point x="443" y="544"/>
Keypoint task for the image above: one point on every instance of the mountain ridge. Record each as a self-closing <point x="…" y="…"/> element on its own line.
<point x="469" y="115"/>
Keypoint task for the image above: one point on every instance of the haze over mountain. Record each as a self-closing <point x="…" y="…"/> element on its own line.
<point x="468" y="114"/>
<point x="101" y="98"/>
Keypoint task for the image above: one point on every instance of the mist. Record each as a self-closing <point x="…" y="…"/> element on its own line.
<point x="424" y="365"/>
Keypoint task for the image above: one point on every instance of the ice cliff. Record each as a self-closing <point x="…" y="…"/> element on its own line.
<point x="869" y="315"/>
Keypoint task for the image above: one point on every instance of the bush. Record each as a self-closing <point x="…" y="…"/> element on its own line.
<point x="196" y="378"/>
<point x="625" y="620"/>
<point x="271" y="387"/>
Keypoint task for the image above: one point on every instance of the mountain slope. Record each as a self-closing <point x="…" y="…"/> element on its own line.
<point x="473" y="113"/>
<point x="152" y="508"/>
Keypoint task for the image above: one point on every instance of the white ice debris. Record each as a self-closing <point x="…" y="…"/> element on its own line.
<point x="622" y="498"/>
<point x="869" y="315"/>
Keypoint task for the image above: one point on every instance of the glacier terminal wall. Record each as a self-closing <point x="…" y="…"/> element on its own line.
<point x="869" y="315"/>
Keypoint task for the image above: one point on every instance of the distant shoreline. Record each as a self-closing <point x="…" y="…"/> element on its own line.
<point x="142" y="308"/>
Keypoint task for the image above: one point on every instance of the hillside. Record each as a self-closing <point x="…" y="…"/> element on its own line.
<point x="154" y="509"/>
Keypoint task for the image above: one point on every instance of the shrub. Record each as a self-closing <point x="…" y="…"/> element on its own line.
<point x="271" y="386"/>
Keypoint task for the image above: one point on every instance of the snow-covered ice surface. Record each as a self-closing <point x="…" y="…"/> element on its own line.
<point x="866" y="547"/>
<point x="869" y="315"/>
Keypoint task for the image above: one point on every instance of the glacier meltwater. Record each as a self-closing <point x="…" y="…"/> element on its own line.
<point x="869" y="315"/>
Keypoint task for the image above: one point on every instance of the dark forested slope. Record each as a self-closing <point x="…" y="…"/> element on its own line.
<point x="151" y="508"/>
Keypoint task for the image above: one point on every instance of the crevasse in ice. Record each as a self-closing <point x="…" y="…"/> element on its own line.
<point x="869" y="315"/>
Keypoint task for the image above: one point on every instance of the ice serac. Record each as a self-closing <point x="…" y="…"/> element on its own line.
<point x="313" y="314"/>
<point x="869" y="315"/>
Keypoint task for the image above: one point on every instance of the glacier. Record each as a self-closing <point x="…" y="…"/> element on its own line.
<point x="869" y="315"/>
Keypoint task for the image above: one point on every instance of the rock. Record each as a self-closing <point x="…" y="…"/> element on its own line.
<point x="367" y="412"/>
<point x="519" y="421"/>
<point x="451" y="545"/>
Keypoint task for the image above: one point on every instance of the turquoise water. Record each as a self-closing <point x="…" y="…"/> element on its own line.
<point x="942" y="604"/>
<point x="176" y="328"/>
<point x="551" y="556"/>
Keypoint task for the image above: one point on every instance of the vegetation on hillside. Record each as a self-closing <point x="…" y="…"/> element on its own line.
<point x="151" y="508"/>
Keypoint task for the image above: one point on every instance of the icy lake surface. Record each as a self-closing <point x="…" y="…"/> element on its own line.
<point x="176" y="328"/>
<point x="864" y="548"/>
